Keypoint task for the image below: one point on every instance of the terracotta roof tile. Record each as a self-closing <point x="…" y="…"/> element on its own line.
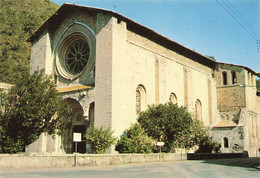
<point x="225" y="124"/>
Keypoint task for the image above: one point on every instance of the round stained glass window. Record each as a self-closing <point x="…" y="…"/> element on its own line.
<point x="77" y="56"/>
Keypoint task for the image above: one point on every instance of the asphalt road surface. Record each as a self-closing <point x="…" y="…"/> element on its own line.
<point x="244" y="168"/>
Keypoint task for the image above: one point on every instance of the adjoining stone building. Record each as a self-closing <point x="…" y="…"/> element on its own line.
<point x="109" y="68"/>
<point x="238" y="105"/>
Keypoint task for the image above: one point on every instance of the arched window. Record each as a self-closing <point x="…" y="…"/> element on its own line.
<point x="198" y="110"/>
<point x="140" y="99"/>
<point x="224" y="78"/>
<point x="91" y="114"/>
<point x="93" y="72"/>
<point x="234" y="77"/>
<point x="225" y="142"/>
<point x="173" y="98"/>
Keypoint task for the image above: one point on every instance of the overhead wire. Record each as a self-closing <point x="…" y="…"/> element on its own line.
<point x="251" y="28"/>
<point x="253" y="36"/>
<point x="241" y="21"/>
<point x="241" y="18"/>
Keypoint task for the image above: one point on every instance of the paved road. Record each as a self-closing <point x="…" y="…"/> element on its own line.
<point x="206" y="168"/>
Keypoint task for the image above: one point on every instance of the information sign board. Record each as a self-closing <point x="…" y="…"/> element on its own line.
<point x="76" y="137"/>
<point x="160" y="143"/>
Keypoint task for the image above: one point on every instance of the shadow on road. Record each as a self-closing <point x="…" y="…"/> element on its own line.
<point x="239" y="162"/>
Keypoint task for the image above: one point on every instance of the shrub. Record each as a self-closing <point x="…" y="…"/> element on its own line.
<point x="11" y="145"/>
<point x="167" y="123"/>
<point x="135" y="140"/>
<point x="175" y="127"/>
<point x="100" y="139"/>
<point x="237" y="148"/>
<point x="208" y="145"/>
<point x="200" y="137"/>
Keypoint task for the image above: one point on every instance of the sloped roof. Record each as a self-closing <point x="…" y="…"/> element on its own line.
<point x="60" y="14"/>
<point x="224" y="124"/>
<point x="74" y="88"/>
<point x="148" y="33"/>
<point x="247" y="68"/>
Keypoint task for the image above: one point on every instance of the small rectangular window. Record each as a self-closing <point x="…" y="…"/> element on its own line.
<point x="224" y="78"/>
<point x="234" y="78"/>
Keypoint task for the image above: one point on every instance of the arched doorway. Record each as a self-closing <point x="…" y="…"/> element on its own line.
<point x="78" y="124"/>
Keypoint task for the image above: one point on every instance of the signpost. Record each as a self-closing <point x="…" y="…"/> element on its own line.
<point x="76" y="138"/>
<point x="160" y="144"/>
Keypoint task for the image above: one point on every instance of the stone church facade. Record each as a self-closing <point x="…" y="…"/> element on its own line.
<point x="109" y="68"/>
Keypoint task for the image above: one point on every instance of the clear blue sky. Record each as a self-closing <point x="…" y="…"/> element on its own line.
<point x="201" y="25"/>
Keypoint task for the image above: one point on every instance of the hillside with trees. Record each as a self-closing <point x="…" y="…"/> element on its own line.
<point x="19" y="19"/>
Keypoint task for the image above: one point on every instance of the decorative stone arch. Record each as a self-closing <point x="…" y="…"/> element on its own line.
<point x="78" y="124"/>
<point x="140" y="98"/>
<point x="198" y="110"/>
<point x="224" y="78"/>
<point x="173" y="98"/>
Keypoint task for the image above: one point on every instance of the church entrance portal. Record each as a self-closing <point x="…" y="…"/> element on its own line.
<point x="79" y="123"/>
<point x="81" y="146"/>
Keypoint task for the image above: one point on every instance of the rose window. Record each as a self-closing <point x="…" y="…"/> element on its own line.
<point x="77" y="56"/>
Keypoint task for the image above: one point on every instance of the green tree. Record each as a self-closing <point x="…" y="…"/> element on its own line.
<point x="100" y="139"/>
<point x="175" y="126"/>
<point x="208" y="145"/>
<point x="211" y="57"/>
<point x="32" y="107"/>
<point x="135" y="140"/>
<point x="199" y="135"/>
<point x="167" y="123"/>
<point x="258" y="84"/>
<point x="19" y="19"/>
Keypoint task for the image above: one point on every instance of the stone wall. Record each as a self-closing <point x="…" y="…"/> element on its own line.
<point x="228" y="68"/>
<point x="231" y="98"/>
<point x="235" y="136"/>
<point x="244" y="135"/>
<point x="251" y="98"/>
<point x="238" y="92"/>
<point x="41" y="54"/>
<point x="52" y="161"/>
<point x="203" y="156"/>
<point x="161" y="72"/>
<point x="253" y="135"/>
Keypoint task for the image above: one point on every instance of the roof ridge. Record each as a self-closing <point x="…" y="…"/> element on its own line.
<point x="141" y="30"/>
